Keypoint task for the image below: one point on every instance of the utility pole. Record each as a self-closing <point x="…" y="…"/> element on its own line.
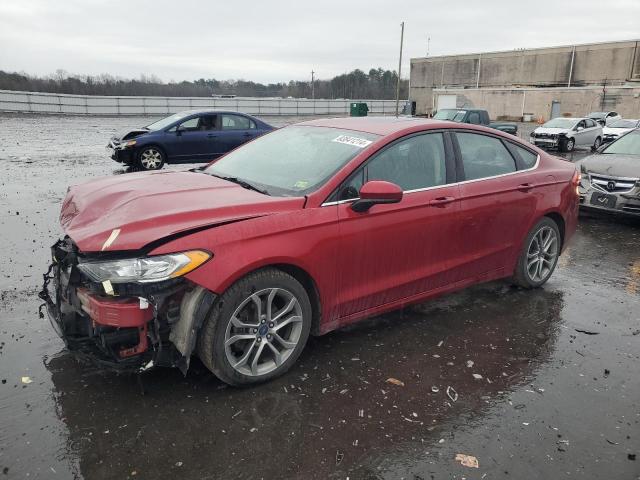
<point x="428" y="45"/>
<point x="399" y="69"/>
<point x="313" y="91"/>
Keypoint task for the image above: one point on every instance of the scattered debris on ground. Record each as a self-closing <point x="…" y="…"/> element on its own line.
<point x="467" y="460"/>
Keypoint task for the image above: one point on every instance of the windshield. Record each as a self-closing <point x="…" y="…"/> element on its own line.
<point x="628" y="123"/>
<point x="165" y="122"/>
<point x="560" y="123"/>
<point x="628" y="144"/>
<point x="449" y="114"/>
<point x="292" y="161"/>
<point x="597" y="115"/>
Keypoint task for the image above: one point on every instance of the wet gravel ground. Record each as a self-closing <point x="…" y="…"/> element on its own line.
<point x="559" y="395"/>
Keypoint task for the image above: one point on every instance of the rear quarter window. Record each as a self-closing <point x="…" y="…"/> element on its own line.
<point x="527" y="157"/>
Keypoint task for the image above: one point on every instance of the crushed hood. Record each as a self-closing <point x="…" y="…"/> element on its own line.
<point x="129" y="212"/>
<point x="613" y="165"/>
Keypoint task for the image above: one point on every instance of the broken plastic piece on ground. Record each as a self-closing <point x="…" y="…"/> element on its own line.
<point x="26" y="380"/>
<point x="467" y="460"/>
<point x="586" y="332"/>
<point x="339" y="457"/>
<point x="395" y="381"/>
<point x="452" y="394"/>
<point x="470" y="363"/>
<point x="477" y="376"/>
<point x="435" y="389"/>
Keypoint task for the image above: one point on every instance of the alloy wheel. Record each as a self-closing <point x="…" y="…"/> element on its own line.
<point x="263" y="331"/>
<point x="542" y="254"/>
<point x="596" y="145"/>
<point x="151" y="159"/>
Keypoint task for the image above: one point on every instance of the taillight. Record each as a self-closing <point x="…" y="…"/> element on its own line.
<point x="575" y="181"/>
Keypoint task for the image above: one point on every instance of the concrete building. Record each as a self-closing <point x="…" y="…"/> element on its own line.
<point x="543" y="82"/>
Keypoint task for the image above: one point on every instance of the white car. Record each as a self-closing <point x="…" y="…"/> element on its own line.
<point x="604" y="118"/>
<point x="618" y="128"/>
<point x="567" y="133"/>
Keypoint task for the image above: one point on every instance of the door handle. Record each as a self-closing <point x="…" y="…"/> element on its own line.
<point x="441" y="201"/>
<point x="525" y="187"/>
<point x="247" y="135"/>
<point x="211" y="135"/>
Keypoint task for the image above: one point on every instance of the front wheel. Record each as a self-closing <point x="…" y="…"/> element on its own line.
<point x="150" y="158"/>
<point x="257" y="329"/>
<point x="539" y="255"/>
<point x="596" y="144"/>
<point x="567" y="145"/>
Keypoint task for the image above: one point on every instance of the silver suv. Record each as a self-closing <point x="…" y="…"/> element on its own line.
<point x="567" y="133"/>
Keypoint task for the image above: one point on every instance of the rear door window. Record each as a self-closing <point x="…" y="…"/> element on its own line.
<point x="527" y="158"/>
<point x="236" y="122"/>
<point x="484" y="156"/>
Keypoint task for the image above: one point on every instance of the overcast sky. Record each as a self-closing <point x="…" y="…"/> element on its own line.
<point x="279" y="40"/>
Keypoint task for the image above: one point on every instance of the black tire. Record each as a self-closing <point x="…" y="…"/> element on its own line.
<point x="150" y="157"/>
<point x="522" y="275"/>
<point x="596" y="144"/>
<point x="567" y="144"/>
<point x="211" y="341"/>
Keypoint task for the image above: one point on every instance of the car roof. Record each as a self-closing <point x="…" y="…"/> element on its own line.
<point x="378" y="125"/>
<point x="194" y="112"/>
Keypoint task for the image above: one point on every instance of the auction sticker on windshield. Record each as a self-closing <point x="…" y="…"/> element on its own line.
<point x="355" y="141"/>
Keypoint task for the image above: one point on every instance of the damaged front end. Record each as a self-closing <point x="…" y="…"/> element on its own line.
<point x="125" y="323"/>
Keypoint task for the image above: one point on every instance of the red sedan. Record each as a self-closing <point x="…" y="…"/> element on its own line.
<point x="304" y="230"/>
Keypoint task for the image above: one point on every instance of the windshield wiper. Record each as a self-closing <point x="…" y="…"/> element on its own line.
<point x="243" y="183"/>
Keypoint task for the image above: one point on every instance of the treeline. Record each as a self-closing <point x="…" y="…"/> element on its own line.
<point x="377" y="84"/>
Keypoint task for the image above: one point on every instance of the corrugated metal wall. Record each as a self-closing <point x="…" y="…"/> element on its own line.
<point x="34" y="102"/>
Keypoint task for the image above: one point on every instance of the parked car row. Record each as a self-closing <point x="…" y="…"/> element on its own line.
<point x="301" y="231"/>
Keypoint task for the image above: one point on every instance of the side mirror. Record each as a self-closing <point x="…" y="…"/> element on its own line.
<point x="374" y="192"/>
<point x="579" y="129"/>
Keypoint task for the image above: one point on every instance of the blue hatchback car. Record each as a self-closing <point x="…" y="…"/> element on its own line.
<point x="186" y="137"/>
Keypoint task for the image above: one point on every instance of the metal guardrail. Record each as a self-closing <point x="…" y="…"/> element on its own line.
<point x="53" y="103"/>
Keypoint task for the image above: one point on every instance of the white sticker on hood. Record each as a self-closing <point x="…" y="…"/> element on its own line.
<point x="355" y="141"/>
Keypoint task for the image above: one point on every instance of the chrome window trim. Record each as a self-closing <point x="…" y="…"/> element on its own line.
<point x="330" y="204"/>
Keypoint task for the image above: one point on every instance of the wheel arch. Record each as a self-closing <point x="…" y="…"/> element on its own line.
<point x="301" y="274"/>
<point x="559" y="221"/>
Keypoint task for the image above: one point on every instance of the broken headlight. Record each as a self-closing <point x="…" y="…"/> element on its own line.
<point x="145" y="269"/>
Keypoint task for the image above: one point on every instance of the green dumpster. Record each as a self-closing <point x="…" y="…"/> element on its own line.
<point x="359" y="109"/>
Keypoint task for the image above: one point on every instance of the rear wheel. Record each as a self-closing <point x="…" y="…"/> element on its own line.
<point x="150" y="158"/>
<point x="539" y="255"/>
<point x="596" y="144"/>
<point x="257" y="329"/>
